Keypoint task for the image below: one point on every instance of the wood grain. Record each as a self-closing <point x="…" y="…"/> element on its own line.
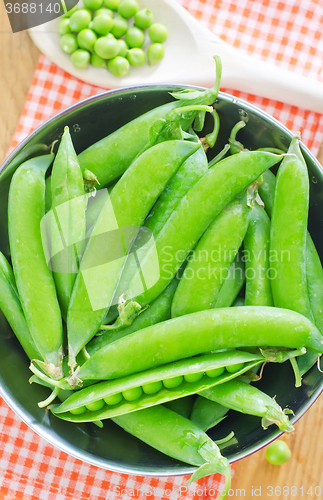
<point x="18" y="59"/>
<point x="303" y="470"/>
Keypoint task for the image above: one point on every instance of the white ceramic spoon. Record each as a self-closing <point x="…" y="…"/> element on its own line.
<point x="188" y="60"/>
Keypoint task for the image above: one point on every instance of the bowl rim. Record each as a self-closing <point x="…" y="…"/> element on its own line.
<point x="92" y="459"/>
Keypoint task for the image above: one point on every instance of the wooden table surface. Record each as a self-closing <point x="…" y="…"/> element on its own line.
<point x="304" y="471"/>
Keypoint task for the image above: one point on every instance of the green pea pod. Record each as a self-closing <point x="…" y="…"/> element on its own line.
<point x="34" y="279"/>
<point x="185" y="177"/>
<point x="239" y="301"/>
<point x="245" y="398"/>
<point x="165" y="392"/>
<point x="48" y="194"/>
<point x="314" y="274"/>
<point x="158" y="311"/>
<point x="200" y="332"/>
<point x="206" y="413"/>
<point x="110" y="157"/>
<point x="211" y="259"/>
<point x="96" y="202"/>
<point x="313" y="269"/>
<point x="179" y="438"/>
<point x="288" y="234"/>
<point x="256" y="254"/>
<point x="233" y="283"/>
<point x="12" y="310"/>
<point x="267" y="189"/>
<point x="183" y="406"/>
<point x="67" y="219"/>
<point x="195" y="212"/>
<point x="130" y="202"/>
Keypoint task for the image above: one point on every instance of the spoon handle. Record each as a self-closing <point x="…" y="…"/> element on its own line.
<point x="246" y="73"/>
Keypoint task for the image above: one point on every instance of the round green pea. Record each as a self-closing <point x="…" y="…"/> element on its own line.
<point x="86" y="39"/>
<point x="80" y="20"/>
<point x="234" y="368"/>
<point x="78" y="411"/>
<point x="64" y="26"/>
<point x="123" y="48"/>
<point x="132" y="394"/>
<point x="93" y="4"/>
<point x="81" y="58"/>
<point x="153" y="387"/>
<point x="144" y="18"/>
<point x="112" y="4"/>
<point x="96" y="405"/>
<point x="135" y="37"/>
<point x="128" y="8"/>
<point x="155" y="53"/>
<point x="106" y="47"/>
<point x="120" y="27"/>
<point x="136" y="57"/>
<point x="102" y="24"/>
<point x="104" y="11"/>
<point x="69" y="43"/>
<point x="171" y="383"/>
<point x="215" y="372"/>
<point x="278" y="452"/>
<point x="158" y="33"/>
<point x="114" y="399"/>
<point x="193" y="377"/>
<point x="119" y="66"/>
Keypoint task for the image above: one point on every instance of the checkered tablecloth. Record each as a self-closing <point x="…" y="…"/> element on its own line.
<point x="288" y="33"/>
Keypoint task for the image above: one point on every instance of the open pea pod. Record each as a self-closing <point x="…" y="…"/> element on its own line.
<point x="158" y="385"/>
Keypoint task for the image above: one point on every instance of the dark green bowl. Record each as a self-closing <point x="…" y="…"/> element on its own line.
<point x="110" y="447"/>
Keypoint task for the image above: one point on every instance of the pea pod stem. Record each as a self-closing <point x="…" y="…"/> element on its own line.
<point x="200" y="332"/>
<point x="206" y="413"/>
<point x="199" y="364"/>
<point x="60" y="384"/>
<point x="236" y="146"/>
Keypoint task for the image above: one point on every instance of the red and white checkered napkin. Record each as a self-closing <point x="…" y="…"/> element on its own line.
<point x="288" y="33"/>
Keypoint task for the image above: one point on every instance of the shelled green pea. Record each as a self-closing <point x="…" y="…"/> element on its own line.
<point x="89" y="36"/>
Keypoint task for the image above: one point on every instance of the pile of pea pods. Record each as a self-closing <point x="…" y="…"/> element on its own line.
<point x="153" y="317"/>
